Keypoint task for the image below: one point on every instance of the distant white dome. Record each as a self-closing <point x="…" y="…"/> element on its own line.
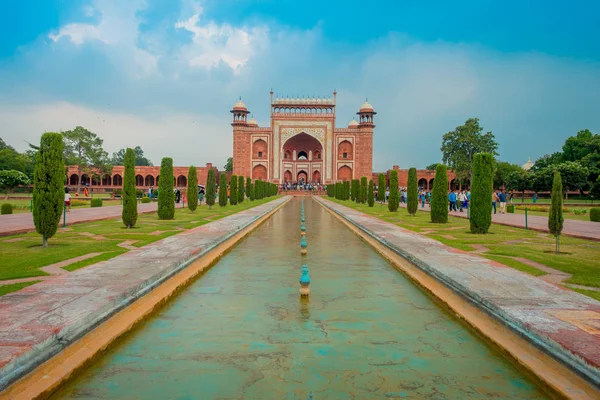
<point x="528" y="165"/>
<point x="366" y="107"/>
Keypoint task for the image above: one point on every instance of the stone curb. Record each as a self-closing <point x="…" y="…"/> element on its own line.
<point x="45" y="350"/>
<point x="548" y="345"/>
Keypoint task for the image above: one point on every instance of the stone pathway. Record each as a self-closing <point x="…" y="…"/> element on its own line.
<point x="572" y="227"/>
<point x="41" y="320"/>
<point x="564" y="323"/>
<point x="19" y="223"/>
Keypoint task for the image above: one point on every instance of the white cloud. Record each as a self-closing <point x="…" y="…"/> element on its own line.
<point x="213" y="43"/>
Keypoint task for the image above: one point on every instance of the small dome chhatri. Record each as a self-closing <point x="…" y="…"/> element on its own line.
<point x="239" y="105"/>
<point x="353" y="124"/>
<point x="252" y="122"/>
<point x="366" y="107"/>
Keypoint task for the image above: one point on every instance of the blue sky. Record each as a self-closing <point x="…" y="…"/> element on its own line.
<point x="164" y="74"/>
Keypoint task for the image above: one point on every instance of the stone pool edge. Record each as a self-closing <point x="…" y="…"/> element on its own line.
<point x="544" y="360"/>
<point x="47" y="367"/>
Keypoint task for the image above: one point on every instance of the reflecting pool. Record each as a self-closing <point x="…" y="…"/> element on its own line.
<point x="241" y="331"/>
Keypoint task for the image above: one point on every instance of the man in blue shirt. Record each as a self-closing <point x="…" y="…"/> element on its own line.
<point x="502" y="197"/>
<point x="452" y="200"/>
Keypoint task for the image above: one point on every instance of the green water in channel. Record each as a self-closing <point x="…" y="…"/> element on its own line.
<point x="241" y="331"/>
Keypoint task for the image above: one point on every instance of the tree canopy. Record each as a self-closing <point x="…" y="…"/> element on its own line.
<point x="503" y="171"/>
<point x="229" y="165"/>
<point x="140" y="160"/>
<point x="460" y="146"/>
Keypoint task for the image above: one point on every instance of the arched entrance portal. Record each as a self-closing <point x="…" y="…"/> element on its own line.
<point x="344" y="173"/>
<point x="259" y="172"/>
<point x="302" y="177"/>
<point x="301" y="156"/>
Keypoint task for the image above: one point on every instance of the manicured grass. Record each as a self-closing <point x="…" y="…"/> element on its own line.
<point x="518" y="199"/>
<point x="502" y="242"/>
<point x="22" y="205"/>
<point x="566" y="215"/>
<point x="25" y="257"/>
<point x="6" y="289"/>
<point x="589" y="293"/>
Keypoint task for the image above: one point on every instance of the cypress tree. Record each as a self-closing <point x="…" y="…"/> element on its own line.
<point x="363" y="189"/>
<point x="223" y="190"/>
<point x="412" y="201"/>
<point x="394" y="201"/>
<point x="166" y="196"/>
<point x="233" y="193"/>
<point x="241" y="191"/>
<point x="250" y="189"/>
<point x="192" y="188"/>
<point x="480" y="215"/>
<point x="257" y="189"/>
<point x="347" y="190"/>
<point x="371" y="194"/>
<point x="555" y="218"/>
<point x="211" y="188"/>
<point x="353" y="190"/>
<point x="48" y="185"/>
<point x="129" y="213"/>
<point x="439" y="196"/>
<point x="381" y="188"/>
<point x="338" y="191"/>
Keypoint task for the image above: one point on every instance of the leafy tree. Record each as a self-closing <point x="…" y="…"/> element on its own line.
<point x="84" y="149"/>
<point x="118" y="158"/>
<point x="241" y="190"/>
<point x="48" y="185"/>
<point x="547" y="161"/>
<point x="480" y="218"/>
<point x="578" y="146"/>
<point x="521" y="181"/>
<point x="10" y="159"/>
<point x="555" y="218"/>
<point x="223" y="190"/>
<point x="460" y="146"/>
<point x="592" y="163"/>
<point x="250" y="189"/>
<point x="211" y="188"/>
<point x="439" y="196"/>
<point x="229" y="165"/>
<point x="432" y="167"/>
<point x="574" y="175"/>
<point x="503" y="171"/>
<point x="129" y="213"/>
<point x="394" y="201"/>
<point x="381" y="188"/>
<point x="192" y="188"/>
<point x="166" y="195"/>
<point x="412" y="201"/>
<point x="371" y="194"/>
<point x="595" y="190"/>
<point x="363" y="189"/>
<point x="233" y="194"/>
<point x="11" y="179"/>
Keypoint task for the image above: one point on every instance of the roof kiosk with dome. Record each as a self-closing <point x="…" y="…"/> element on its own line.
<point x="301" y="142"/>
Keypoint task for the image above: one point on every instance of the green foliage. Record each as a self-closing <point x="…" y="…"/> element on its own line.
<point x="229" y="165"/>
<point x="250" y="189"/>
<point x="146" y="200"/>
<point x="7" y="208"/>
<point x="371" y="194"/>
<point x="223" y="190"/>
<point x="11" y="159"/>
<point x="118" y="158"/>
<point x="547" y="161"/>
<point x="331" y="190"/>
<point x="578" y="146"/>
<point x="432" y="167"/>
<point x="573" y="175"/>
<point x="503" y="171"/>
<point x="519" y="180"/>
<point x="595" y="190"/>
<point x="84" y="149"/>
<point x="595" y="214"/>
<point x="129" y="213"/>
<point x="347" y="190"/>
<point x="96" y="202"/>
<point x="166" y="196"/>
<point x="439" y="196"/>
<point x="362" y="191"/>
<point x="241" y="190"/>
<point x="510" y="208"/>
<point x="11" y="179"/>
<point x="412" y="192"/>
<point x="233" y="194"/>
<point x="192" y="188"/>
<point x="394" y="200"/>
<point x="381" y="188"/>
<point x="555" y="217"/>
<point x="257" y="189"/>
<point x="338" y="191"/>
<point x="460" y="146"/>
<point x="211" y="188"/>
<point x="480" y="218"/>
<point x="48" y="185"/>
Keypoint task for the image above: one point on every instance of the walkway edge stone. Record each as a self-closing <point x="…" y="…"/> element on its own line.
<point x="574" y="360"/>
<point x="71" y="331"/>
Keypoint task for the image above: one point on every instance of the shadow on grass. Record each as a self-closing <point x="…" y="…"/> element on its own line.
<point x="50" y="245"/>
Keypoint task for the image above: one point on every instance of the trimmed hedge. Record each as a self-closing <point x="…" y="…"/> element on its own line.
<point x="6" y="209"/>
<point x="439" y="196"/>
<point x="250" y="189"/>
<point x="371" y="194"/>
<point x="510" y="208"/>
<point x="595" y="214"/>
<point x="381" y="188"/>
<point x="129" y="212"/>
<point x="223" y="190"/>
<point x="555" y="217"/>
<point x="146" y="199"/>
<point x="480" y="214"/>
<point x="166" y="196"/>
<point x="233" y="193"/>
<point x="240" y="189"/>
<point x="412" y="201"/>
<point x="363" y="189"/>
<point x="394" y="201"/>
<point x="211" y="188"/>
<point x="192" y="188"/>
<point x="96" y="202"/>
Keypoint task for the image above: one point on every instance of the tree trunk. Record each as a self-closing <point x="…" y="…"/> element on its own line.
<point x="523" y="196"/>
<point x="44" y="241"/>
<point x="557" y="244"/>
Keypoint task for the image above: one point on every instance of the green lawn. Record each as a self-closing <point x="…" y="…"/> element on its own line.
<point x="595" y="202"/>
<point x="567" y="215"/>
<point x="503" y="242"/>
<point x="5" y="289"/>
<point x="22" y="205"/>
<point x="25" y="257"/>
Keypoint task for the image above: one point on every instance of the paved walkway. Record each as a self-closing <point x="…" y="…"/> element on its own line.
<point x="565" y="323"/>
<point x="572" y="227"/>
<point x="41" y="320"/>
<point x="23" y="222"/>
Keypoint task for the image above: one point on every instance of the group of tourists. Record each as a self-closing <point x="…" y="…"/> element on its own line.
<point x="309" y="186"/>
<point x="459" y="199"/>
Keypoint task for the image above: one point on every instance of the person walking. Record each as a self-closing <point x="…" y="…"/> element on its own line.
<point x="67" y="199"/>
<point x="452" y="200"/>
<point x="494" y="200"/>
<point x="502" y="197"/>
<point x="534" y="198"/>
<point x="461" y="200"/>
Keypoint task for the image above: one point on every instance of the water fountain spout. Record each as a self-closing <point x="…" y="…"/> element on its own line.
<point x="304" y="281"/>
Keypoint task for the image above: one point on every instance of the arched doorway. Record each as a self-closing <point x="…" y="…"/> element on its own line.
<point x="302" y="177"/>
<point x="302" y="155"/>
<point x="73" y="180"/>
<point x="139" y="180"/>
<point x="259" y="149"/>
<point x="259" y="172"/>
<point x="344" y="173"/>
<point x="345" y="150"/>
<point x="431" y="183"/>
<point x="181" y="181"/>
<point x="117" y="180"/>
<point x="149" y="180"/>
<point x="316" y="177"/>
<point x="422" y="183"/>
<point x="299" y="150"/>
<point x="287" y="176"/>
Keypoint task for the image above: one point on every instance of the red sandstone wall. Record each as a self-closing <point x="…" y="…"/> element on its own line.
<point x="241" y="153"/>
<point x="364" y="153"/>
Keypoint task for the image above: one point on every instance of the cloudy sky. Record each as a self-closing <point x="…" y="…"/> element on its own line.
<point x="164" y="74"/>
